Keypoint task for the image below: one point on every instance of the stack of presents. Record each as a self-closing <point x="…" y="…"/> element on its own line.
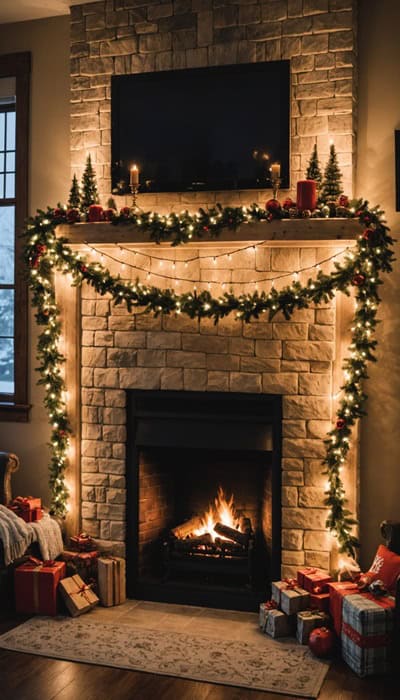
<point x="357" y="614"/>
<point x="77" y="580"/>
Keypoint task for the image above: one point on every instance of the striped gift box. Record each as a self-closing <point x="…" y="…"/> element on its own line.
<point x="367" y="627"/>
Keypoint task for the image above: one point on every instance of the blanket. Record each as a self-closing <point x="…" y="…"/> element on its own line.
<point x="16" y="536"/>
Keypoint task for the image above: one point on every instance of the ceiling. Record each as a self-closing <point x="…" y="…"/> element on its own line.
<point x="21" y="10"/>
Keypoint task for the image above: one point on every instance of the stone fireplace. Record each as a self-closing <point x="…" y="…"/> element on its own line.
<point x="112" y="353"/>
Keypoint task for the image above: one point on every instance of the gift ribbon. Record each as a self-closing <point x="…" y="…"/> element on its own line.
<point x="365" y="642"/>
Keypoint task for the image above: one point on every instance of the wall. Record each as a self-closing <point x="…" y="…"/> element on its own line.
<point x="379" y="115"/>
<point x="49" y="181"/>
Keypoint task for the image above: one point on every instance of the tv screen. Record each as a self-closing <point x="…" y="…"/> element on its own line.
<point x="201" y="129"/>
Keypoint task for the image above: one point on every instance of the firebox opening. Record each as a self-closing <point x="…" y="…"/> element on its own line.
<point x="191" y="462"/>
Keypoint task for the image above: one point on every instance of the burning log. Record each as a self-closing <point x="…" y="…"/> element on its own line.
<point x="192" y="543"/>
<point x="229" y="547"/>
<point x="241" y="538"/>
<point x="185" y="529"/>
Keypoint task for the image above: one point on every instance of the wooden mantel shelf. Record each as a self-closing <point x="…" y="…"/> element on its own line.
<point x="286" y="232"/>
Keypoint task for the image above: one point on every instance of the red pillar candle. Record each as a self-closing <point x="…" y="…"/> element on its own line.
<point x="306" y="195"/>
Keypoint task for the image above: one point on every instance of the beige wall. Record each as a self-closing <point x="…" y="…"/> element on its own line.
<point x="48" y="41"/>
<point x="379" y="115"/>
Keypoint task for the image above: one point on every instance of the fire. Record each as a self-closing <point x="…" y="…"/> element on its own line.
<point x="223" y="511"/>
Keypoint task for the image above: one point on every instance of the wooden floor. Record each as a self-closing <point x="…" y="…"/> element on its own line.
<point x="28" y="677"/>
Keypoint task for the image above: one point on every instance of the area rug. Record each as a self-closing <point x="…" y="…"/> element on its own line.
<point x="269" y="665"/>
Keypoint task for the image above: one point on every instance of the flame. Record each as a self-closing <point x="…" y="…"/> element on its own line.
<point x="223" y="511"/>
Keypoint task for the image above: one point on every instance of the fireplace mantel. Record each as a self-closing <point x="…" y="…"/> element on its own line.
<point x="286" y="232"/>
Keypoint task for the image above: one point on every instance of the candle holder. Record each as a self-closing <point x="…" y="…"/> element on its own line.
<point x="134" y="190"/>
<point x="276" y="183"/>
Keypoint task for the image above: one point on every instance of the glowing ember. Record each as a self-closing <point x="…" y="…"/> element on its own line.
<point x="223" y="511"/>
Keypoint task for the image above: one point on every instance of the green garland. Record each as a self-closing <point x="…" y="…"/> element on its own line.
<point x="45" y="253"/>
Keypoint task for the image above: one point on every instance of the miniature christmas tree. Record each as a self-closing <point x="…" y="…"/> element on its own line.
<point x="90" y="194"/>
<point x="332" y="182"/>
<point x="74" y="195"/>
<point x="314" y="170"/>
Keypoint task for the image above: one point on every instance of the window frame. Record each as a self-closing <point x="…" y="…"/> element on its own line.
<point x="15" y="407"/>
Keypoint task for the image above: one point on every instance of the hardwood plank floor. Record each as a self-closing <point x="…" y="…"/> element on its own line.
<point x="29" y="677"/>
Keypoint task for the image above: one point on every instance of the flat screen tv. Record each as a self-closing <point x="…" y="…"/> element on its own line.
<point x="201" y="129"/>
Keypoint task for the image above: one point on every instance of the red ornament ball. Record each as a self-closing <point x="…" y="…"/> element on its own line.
<point x="73" y="215"/>
<point x="59" y="213"/>
<point x="343" y="201"/>
<point x="306" y="213"/>
<point x="321" y="642"/>
<point x="273" y="206"/>
<point x="340" y="423"/>
<point x="368" y="234"/>
<point x="288" y="203"/>
<point x="126" y="212"/>
<point x="358" y="280"/>
<point x="108" y="214"/>
<point x="95" y="213"/>
<point x="83" y="268"/>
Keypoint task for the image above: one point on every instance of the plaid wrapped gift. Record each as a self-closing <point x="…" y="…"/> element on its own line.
<point x="278" y="624"/>
<point x="313" y="580"/>
<point x="307" y="620"/>
<point x="290" y="597"/>
<point x="367" y="628"/>
<point x="337" y="592"/>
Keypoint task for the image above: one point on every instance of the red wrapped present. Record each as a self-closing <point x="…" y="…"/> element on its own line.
<point x="367" y="628"/>
<point x="319" y="601"/>
<point x="27" y="502"/>
<point x="82" y="543"/>
<point x="337" y="591"/>
<point x="36" y="585"/>
<point x="313" y="580"/>
<point x="82" y="563"/>
<point x="37" y="514"/>
<point x="27" y="507"/>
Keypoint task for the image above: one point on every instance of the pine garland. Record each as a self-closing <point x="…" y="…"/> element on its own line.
<point x="45" y="253"/>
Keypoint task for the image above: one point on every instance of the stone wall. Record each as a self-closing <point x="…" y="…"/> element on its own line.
<point x="294" y="358"/>
<point x="130" y="36"/>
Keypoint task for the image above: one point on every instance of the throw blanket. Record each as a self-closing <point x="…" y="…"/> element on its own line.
<point x="16" y="536"/>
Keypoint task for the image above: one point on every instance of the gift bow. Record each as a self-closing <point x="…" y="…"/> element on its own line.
<point x="271" y="605"/>
<point x="313" y="613"/>
<point x="291" y="583"/>
<point x="82" y="591"/>
<point x="310" y="570"/>
<point x="22" y="502"/>
<point x="33" y="561"/>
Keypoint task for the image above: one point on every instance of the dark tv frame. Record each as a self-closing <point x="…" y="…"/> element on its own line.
<point x="119" y="82"/>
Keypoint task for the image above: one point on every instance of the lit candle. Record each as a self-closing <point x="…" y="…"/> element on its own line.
<point x="275" y="171"/>
<point x="134" y="175"/>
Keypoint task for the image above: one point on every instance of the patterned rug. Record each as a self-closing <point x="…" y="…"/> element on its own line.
<point x="269" y="665"/>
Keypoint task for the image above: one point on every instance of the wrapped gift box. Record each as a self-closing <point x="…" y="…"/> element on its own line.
<point x="111" y="580"/>
<point x="307" y="620"/>
<point x="313" y="580"/>
<point x="320" y="601"/>
<point x="28" y="508"/>
<point x="337" y="592"/>
<point x="36" y="585"/>
<point x="366" y="636"/>
<point x="82" y="563"/>
<point x="264" y="610"/>
<point x="82" y="543"/>
<point x="278" y="624"/>
<point x="78" y="596"/>
<point x="289" y="597"/>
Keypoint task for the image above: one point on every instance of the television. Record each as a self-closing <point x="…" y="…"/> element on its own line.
<point x="216" y="128"/>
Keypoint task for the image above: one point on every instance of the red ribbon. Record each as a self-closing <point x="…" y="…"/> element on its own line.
<point x="291" y="583"/>
<point x="32" y="561"/>
<point x="365" y="642"/>
<point x="271" y="605"/>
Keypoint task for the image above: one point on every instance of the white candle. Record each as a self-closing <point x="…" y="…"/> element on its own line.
<point x="275" y="171"/>
<point x="134" y="176"/>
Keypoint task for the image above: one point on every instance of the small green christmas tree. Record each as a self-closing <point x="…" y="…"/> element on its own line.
<point x="74" y="200"/>
<point x="332" y="182"/>
<point x="314" y="170"/>
<point x="90" y="194"/>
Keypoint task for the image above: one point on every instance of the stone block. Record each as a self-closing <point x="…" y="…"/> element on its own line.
<point x="119" y="47"/>
<point x="115" y="398"/>
<point x="140" y="378"/>
<point x="172" y="378"/>
<point x="155" y="12"/>
<point x="225" y="16"/>
<point x="290" y="46"/>
<point x="311" y="497"/>
<point x="118" y="482"/>
<point x="335" y="105"/>
<point x="303" y="447"/>
<point x="114" y="433"/>
<point x="294" y="428"/>
<point x="297" y="27"/>
<point x="315" y="91"/>
<point x="241" y="346"/>
<point x="268" y="348"/>
<point x="89" y="510"/>
<point x="121" y="323"/>
<point x="113" y="416"/>
<point x="90" y="414"/>
<point x="321" y="367"/>
<point x="325" y="316"/>
<point x="311" y="350"/>
<point x="318" y="428"/>
<point x="92" y="397"/>
<point x="320" y="332"/>
<point x="162" y="340"/>
<point x="151" y="358"/>
<point x="94" y="479"/>
<point x="306" y="407"/>
<point x="301" y="64"/>
<point x="285" y="259"/>
<point x="89" y="465"/>
<point x="259" y="364"/>
<point x="290" y="463"/>
<point x="312" y="126"/>
<point x="184" y="21"/>
<point x="181" y="323"/>
<point x="183" y="40"/>
<point x="289" y="496"/>
<point x="87" y="338"/>
<point x="292" y="478"/>
<point x="194" y="379"/>
<point x="289" y="331"/>
<point x="292" y="539"/>
<point x="127" y="339"/>
<point x="93" y="357"/>
<point x="298" y="316"/>
<point x="318" y="540"/>
<point x="149" y="43"/>
<point x="319" y="559"/>
<point x="179" y="358"/>
<point x="324" y="61"/>
<point x="288" y="571"/>
<point x="112" y="466"/>
<point x="313" y="7"/>
<point x="217" y="381"/>
<point x="314" y="473"/>
<point x="294" y="366"/>
<point x="293" y="558"/>
<point x="207" y="344"/>
<point x="246" y="382"/>
<point x="314" y="44"/>
<point x="315" y="384"/>
<point x="342" y="41"/>
<point x="96" y="66"/>
<point x="146" y="28"/>
<point x="91" y="431"/>
<point x="306" y="518"/>
<point x="106" y="511"/>
<point x="118" y="530"/>
<point x="249" y="14"/>
<point x="258" y="329"/>
<point x="107" y="378"/>
<point x="279" y="383"/>
<point x="103" y="339"/>
<point x="115" y="495"/>
<point x="204" y="28"/>
<point x="274" y="11"/>
<point x="117" y="357"/>
<point x="95" y="448"/>
<point x="264" y="31"/>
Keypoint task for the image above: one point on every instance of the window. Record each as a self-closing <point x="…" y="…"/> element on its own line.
<point x="14" y="102"/>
